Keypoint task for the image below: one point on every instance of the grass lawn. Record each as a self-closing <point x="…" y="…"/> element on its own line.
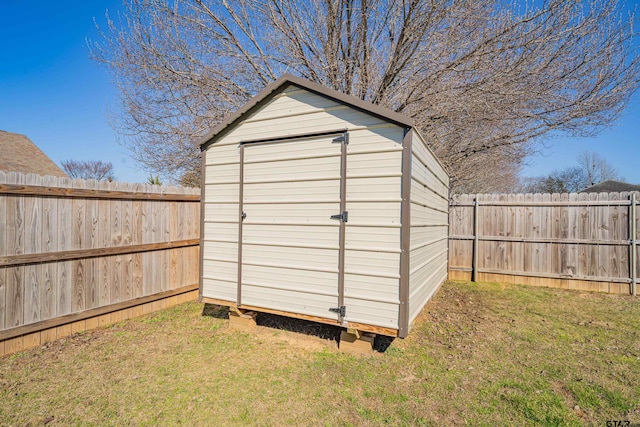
<point x="480" y="354"/>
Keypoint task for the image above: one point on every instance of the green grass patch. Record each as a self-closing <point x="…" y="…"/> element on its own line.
<point x="480" y="354"/>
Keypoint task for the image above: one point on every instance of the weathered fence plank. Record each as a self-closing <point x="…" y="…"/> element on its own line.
<point x="3" y="271"/>
<point x="69" y="247"/>
<point x="577" y="241"/>
<point x="15" y="246"/>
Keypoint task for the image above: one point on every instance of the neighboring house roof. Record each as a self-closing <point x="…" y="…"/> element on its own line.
<point x="280" y="85"/>
<point x="19" y="154"/>
<point x="611" y="186"/>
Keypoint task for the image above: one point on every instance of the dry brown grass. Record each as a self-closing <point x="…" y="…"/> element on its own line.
<point x="479" y="354"/>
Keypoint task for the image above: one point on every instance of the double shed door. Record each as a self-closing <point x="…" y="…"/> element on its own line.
<point x="292" y="250"/>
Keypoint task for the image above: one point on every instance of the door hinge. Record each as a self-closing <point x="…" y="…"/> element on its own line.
<point x="342" y="138"/>
<point x="344" y="216"/>
<point x="342" y="311"/>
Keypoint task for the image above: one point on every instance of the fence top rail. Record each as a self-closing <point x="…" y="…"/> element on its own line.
<point x="37" y="190"/>
<point x="623" y="198"/>
<point x="544" y="203"/>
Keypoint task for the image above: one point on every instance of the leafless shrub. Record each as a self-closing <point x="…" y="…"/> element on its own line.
<point x="88" y="169"/>
<point x="591" y="169"/>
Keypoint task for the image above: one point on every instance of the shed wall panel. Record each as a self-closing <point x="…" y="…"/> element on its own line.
<point x="224" y="290"/>
<point x="360" y="311"/>
<point x="279" y="177"/>
<point x="220" y="222"/>
<point x="373" y="213"/>
<point x="224" y="251"/>
<point x="428" y="198"/>
<point x="222" y="270"/>
<point x="432" y="275"/>
<point x="293" y="101"/>
<point x="291" y="213"/>
<point x="309" y="259"/>
<point x="320" y="121"/>
<point x="221" y="231"/>
<point x="302" y="302"/>
<point x="221" y="193"/>
<point x="373" y="237"/>
<point x="228" y="173"/>
<point x="381" y="138"/>
<point x="312" y="113"/>
<point x="274" y="180"/>
<point x="220" y="212"/>
<point x="429" y="160"/>
<point x="289" y="234"/>
<point x="222" y="154"/>
<point x="429" y="229"/>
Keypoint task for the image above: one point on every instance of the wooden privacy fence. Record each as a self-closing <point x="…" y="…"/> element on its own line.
<point x="576" y="241"/>
<point x="75" y="254"/>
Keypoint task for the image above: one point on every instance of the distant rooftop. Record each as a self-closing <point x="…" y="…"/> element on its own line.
<point x="19" y="154"/>
<point x="611" y="186"/>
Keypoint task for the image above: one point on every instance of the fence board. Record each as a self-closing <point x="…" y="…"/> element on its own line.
<point x="116" y="261"/>
<point x="32" y="243"/>
<point x="136" y="237"/>
<point x="92" y="295"/>
<point x="3" y="271"/>
<point x="104" y="265"/>
<point x="15" y="246"/>
<point x="65" y="221"/>
<point x="579" y="241"/>
<point x="49" y="271"/>
<point x="69" y="246"/>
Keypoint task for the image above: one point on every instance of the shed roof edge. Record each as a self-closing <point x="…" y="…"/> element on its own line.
<point x="280" y="84"/>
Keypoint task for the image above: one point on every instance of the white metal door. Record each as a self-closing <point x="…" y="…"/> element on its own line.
<point x="290" y="254"/>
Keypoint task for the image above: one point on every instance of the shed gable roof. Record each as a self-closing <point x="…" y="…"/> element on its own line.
<point x="20" y="154"/>
<point x="278" y="86"/>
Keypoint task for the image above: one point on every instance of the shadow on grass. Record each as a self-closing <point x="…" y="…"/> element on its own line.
<point x="306" y="327"/>
<point x="217" y="311"/>
<point x="382" y="343"/>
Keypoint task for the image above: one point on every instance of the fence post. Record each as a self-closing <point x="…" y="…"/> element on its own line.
<point x="474" y="266"/>
<point x="633" y="240"/>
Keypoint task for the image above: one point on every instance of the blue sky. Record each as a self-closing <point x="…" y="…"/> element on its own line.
<point x="52" y="92"/>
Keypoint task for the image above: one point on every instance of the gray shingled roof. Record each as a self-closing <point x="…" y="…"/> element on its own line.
<point x="19" y="154"/>
<point x="611" y="186"/>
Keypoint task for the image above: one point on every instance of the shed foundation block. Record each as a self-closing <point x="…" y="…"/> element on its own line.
<point x="360" y="343"/>
<point x="242" y="321"/>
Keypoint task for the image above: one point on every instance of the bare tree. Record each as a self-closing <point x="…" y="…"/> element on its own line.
<point x="88" y="169"/>
<point x="591" y="169"/>
<point x="568" y="180"/>
<point x="483" y="79"/>
<point x="596" y="168"/>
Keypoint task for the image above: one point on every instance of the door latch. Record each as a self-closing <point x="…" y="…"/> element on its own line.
<point x="344" y="216"/>
<point x="244" y="215"/>
<point x="342" y="311"/>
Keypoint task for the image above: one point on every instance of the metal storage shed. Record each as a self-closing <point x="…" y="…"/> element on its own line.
<point x="321" y="206"/>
